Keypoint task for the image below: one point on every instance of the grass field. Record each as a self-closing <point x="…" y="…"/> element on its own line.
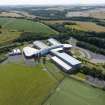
<point x="87" y="26"/>
<point x="25" y="25"/>
<point x="71" y="92"/>
<point x="24" y="85"/>
<point x="12" y="28"/>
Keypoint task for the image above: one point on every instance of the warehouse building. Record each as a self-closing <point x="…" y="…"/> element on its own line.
<point x="67" y="59"/>
<point x="61" y="64"/>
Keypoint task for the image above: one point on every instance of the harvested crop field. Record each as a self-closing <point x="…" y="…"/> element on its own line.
<point x="87" y="26"/>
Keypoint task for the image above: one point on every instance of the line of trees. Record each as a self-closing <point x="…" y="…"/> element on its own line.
<point x="29" y="36"/>
<point x="91" y="47"/>
<point x="7" y="48"/>
<point x="94" y="72"/>
<point x="99" y="42"/>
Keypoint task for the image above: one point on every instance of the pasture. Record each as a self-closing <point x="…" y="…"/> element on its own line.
<point x="86" y="26"/>
<point x="72" y="92"/>
<point x="24" y="85"/>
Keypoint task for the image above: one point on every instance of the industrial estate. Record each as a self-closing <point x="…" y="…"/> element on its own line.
<point x="56" y="53"/>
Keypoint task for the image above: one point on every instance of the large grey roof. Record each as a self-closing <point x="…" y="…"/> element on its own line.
<point x="67" y="58"/>
<point x="61" y="63"/>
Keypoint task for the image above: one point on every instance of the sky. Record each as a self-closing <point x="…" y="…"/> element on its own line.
<point x="50" y="2"/>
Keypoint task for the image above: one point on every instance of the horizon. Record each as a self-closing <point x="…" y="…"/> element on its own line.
<point x="52" y="2"/>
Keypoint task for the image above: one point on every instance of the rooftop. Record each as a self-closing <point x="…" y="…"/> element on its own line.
<point x="53" y="41"/>
<point x="28" y="51"/>
<point x="40" y="44"/>
<point x="61" y="63"/>
<point x="72" y="61"/>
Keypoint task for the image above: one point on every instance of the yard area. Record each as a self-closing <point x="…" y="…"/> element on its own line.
<point x="72" y="92"/>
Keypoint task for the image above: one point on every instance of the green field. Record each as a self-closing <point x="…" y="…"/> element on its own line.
<point x="25" y="25"/>
<point x="12" y="29"/>
<point x="24" y="85"/>
<point x="71" y="92"/>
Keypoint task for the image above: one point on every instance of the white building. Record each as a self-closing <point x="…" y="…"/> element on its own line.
<point x="55" y="42"/>
<point x="61" y="64"/>
<point x="74" y="63"/>
<point x="15" y="52"/>
<point x="30" y="52"/>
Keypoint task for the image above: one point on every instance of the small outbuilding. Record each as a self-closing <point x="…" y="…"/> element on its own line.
<point x="15" y="52"/>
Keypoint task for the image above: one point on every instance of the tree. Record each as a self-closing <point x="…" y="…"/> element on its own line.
<point x="0" y="26"/>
